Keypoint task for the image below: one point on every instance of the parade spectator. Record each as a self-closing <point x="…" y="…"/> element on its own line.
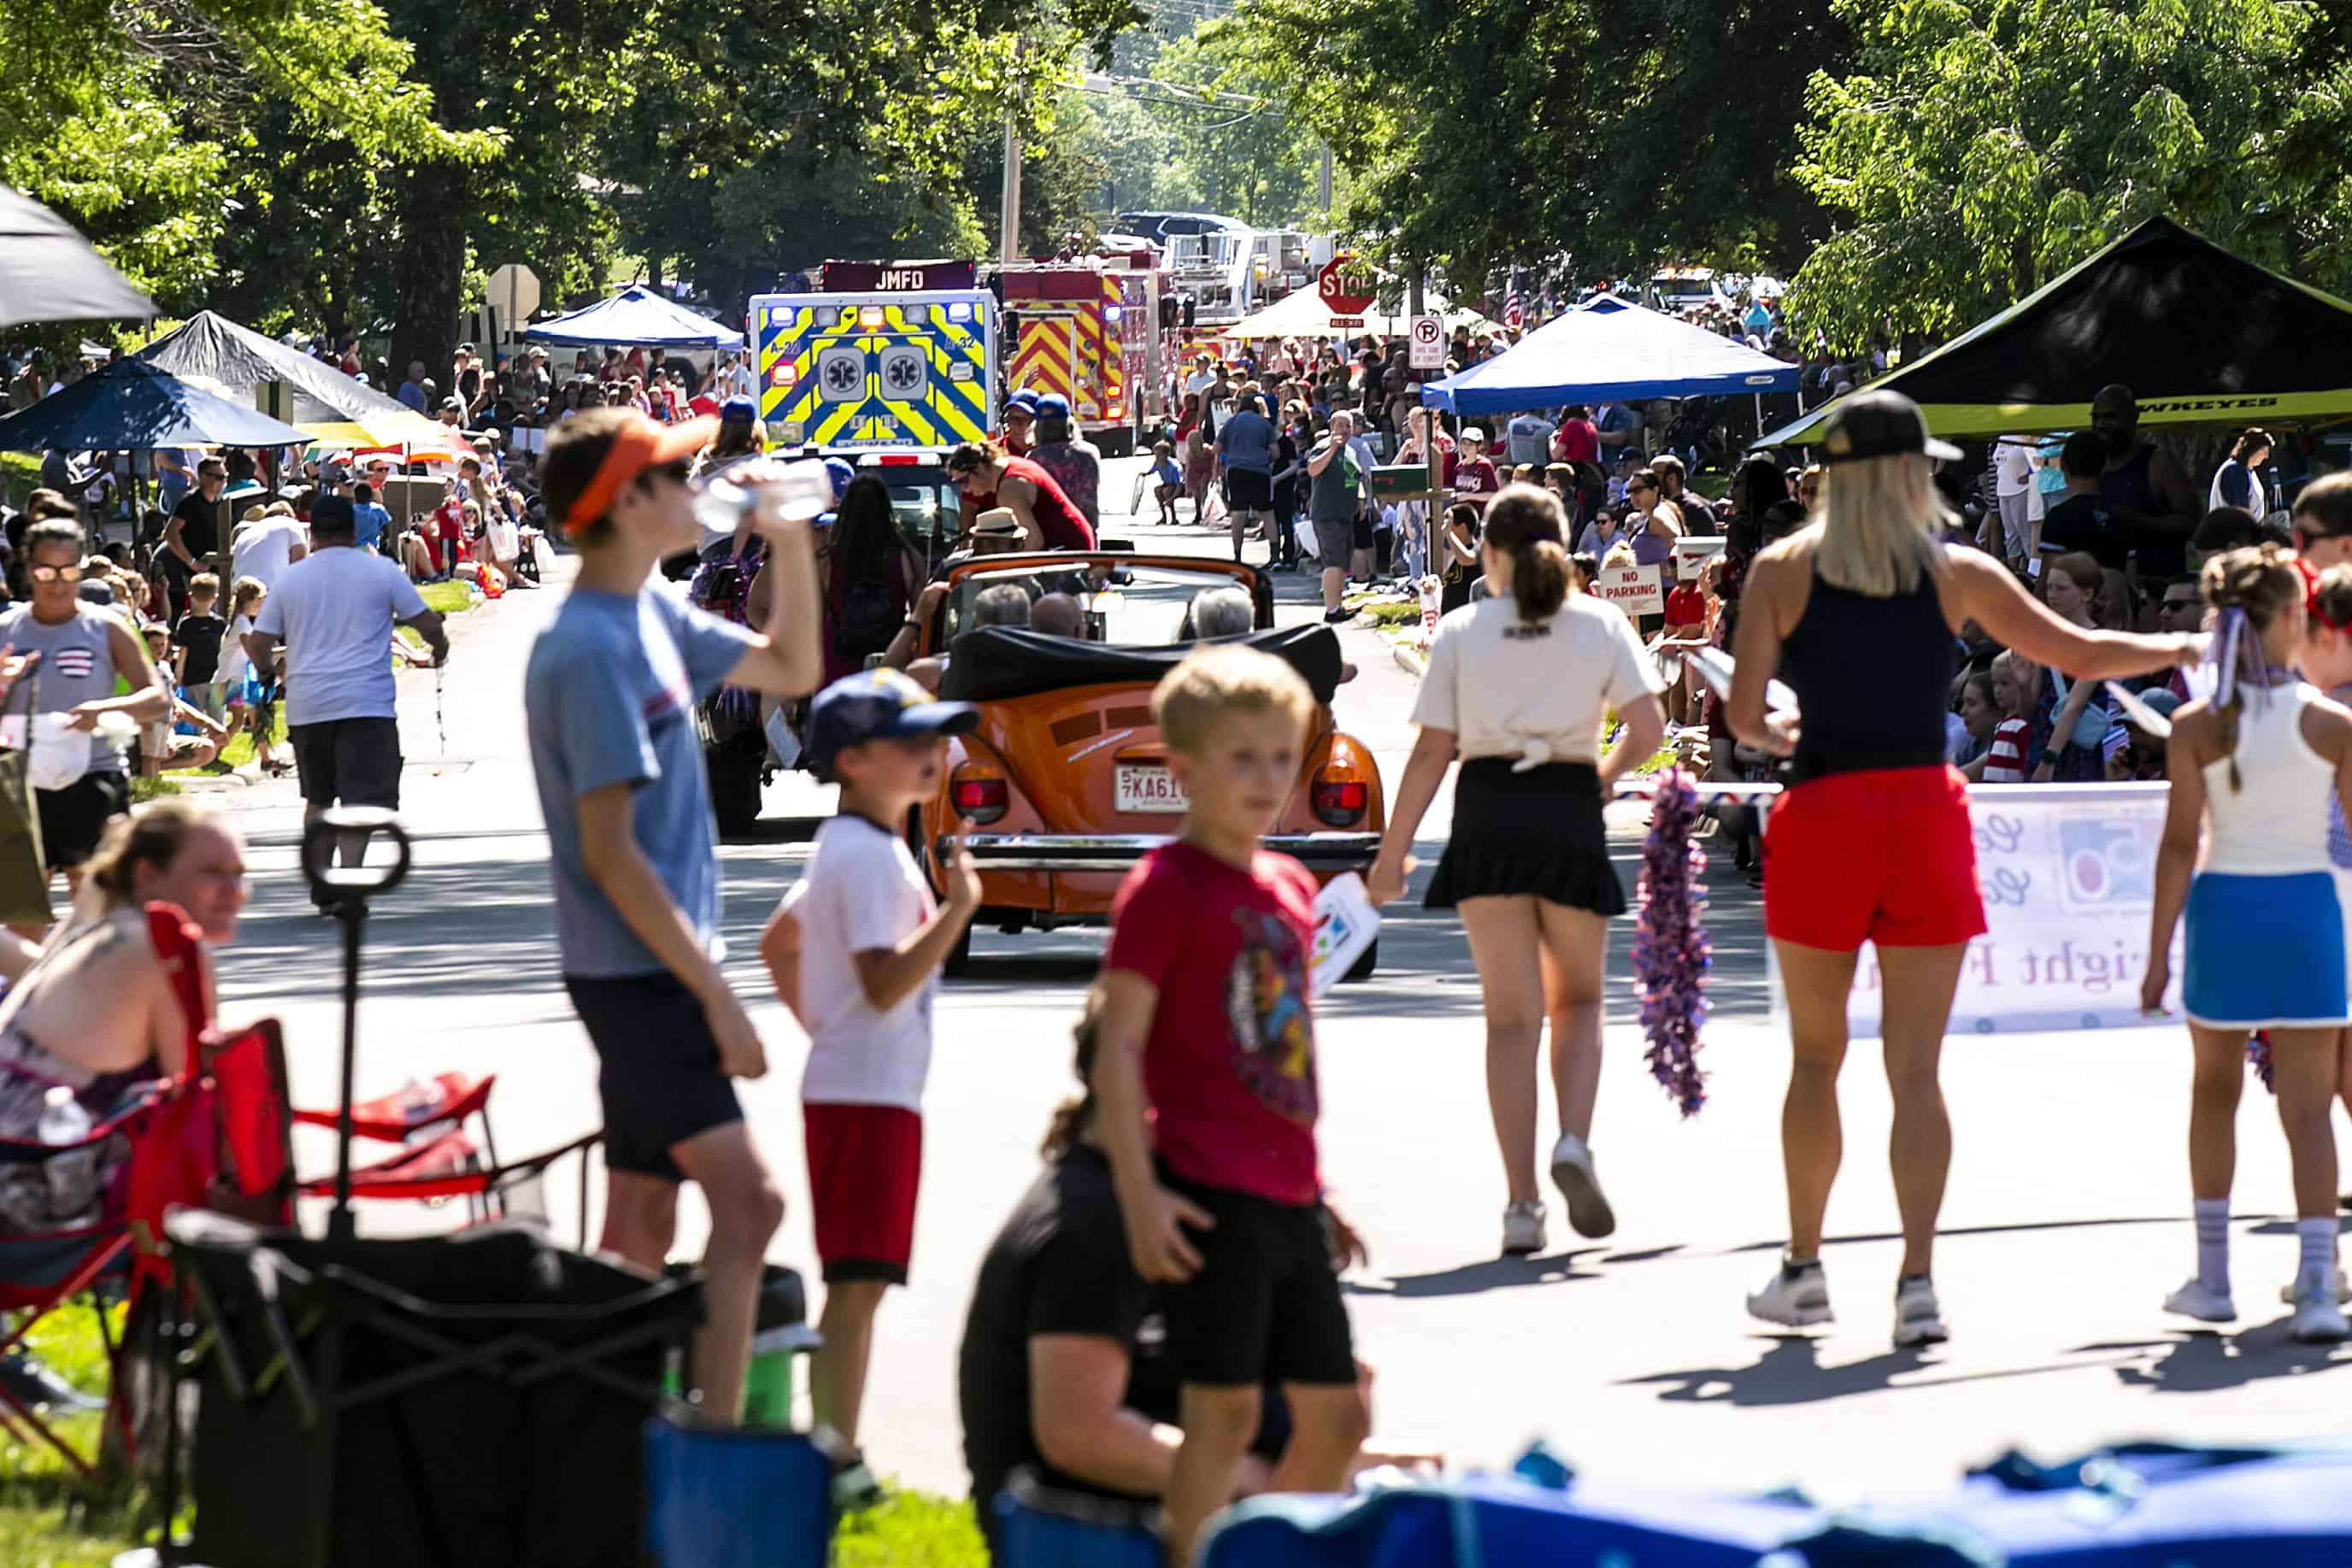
<point x="2017" y="687"/>
<point x="1335" y="507"/>
<point x="1528" y="864"/>
<point x="1167" y="481"/>
<point x="1221" y="1192"/>
<point x="1289" y="471"/>
<point x="2015" y="494"/>
<point x="187" y="737"/>
<point x="1074" y="462"/>
<point x="1602" y="534"/>
<point x="372" y="524"/>
<point x="855" y="949"/>
<point x="2257" y="771"/>
<point x="2238" y="482"/>
<point x="1458" y="559"/>
<point x="1470" y="474"/>
<point x="2322" y="520"/>
<point x="608" y="694"/>
<point x="199" y="527"/>
<point x="252" y="703"/>
<point x="412" y="389"/>
<point x="2080" y="519"/>
<point x="196" y="643"/>
<point x="1617" y="427"/>
<point x="330" y="615"/>
<point x="1692" y="510"/>
<point x="85" y="657"/>
<point x="868" y="573"/>
<point x="2142" y="757"/>
<point x="102" y="1005"/>
<point x="1980" y="717"/>
<point x="2146" y="493"/>
<point x="1528" y="438"/>
<point x="1246" y="453"/>
<point x="2079" y="723"/>
<point x="994" y="479"/>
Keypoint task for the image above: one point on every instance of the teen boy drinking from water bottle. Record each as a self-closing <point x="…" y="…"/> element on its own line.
<point x="609" y="696"/>
<point x="1206" y="1022"/>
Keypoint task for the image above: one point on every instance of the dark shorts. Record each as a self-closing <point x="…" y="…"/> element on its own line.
<point x="659" y="1076"/>
<point x="74" y="819"/>
<point x="1331" y="542"/>
<point x="354" y="760"/>
<point x="865" y="1163"/>
<point x="1359" y="532"/>
<point x="1247" y="490"/>
<point x="1265" y="1306"/>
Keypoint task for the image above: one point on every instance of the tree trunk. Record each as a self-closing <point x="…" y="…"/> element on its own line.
<point x="431" y="273"/>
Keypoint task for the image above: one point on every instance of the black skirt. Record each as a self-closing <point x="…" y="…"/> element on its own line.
<point x="1536" y="833"/>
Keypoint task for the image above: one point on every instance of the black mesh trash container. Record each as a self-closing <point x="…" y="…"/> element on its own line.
<point x="464" y="1400"/>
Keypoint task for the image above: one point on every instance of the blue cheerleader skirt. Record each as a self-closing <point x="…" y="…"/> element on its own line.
<point x="2265" y="951"/>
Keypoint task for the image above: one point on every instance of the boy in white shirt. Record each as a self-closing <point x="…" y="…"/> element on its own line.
<point x="855" y="949"/>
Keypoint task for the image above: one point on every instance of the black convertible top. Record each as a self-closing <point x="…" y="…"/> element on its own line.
<point x="997" y="663"/>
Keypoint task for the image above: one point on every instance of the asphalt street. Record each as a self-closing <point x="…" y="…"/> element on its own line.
<point x="2065" y="1225"/>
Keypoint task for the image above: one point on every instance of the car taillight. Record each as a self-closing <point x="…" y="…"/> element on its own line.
<point x="1341" y="795"/>
<point x="898" y="460"/>
<point x="979" y="793"/>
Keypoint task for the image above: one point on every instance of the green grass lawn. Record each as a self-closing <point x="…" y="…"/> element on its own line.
<point x="50" y="1519"/>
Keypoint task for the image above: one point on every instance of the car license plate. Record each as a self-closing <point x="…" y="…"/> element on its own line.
<point x="1146" y="790"/>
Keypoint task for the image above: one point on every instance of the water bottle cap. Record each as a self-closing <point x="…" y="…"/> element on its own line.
<point x="58" y="1094"/>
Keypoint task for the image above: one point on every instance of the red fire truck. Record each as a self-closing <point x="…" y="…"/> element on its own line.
<point x="1092" y="329"/>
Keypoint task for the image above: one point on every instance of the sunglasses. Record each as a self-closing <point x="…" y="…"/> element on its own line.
<point x="56" y="573"/>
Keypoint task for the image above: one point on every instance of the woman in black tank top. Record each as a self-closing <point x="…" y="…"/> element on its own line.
<point x="1871" y="841"/>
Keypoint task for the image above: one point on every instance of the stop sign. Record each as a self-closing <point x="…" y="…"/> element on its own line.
<point x="1336" y="292"/>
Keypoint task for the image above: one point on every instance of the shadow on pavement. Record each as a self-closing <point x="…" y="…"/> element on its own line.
<point x="1788" y="1373"/>
<point x="1946" y="1232"/>
<point x="1475" y="1278"/>
<point x="2203" y="1362"/>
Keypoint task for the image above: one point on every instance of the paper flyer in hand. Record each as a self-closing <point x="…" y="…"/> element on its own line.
<point x="1345" y="925"/>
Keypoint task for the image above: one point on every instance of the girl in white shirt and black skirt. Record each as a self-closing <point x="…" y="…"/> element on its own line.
<point x="1518" y="686"/>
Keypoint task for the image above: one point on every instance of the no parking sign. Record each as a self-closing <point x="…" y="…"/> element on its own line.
<point x="1427" y="349"/>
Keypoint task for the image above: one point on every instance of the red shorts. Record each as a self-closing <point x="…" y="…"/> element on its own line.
<point x="1887" y="856"/>
<point x="864" y="1162"/>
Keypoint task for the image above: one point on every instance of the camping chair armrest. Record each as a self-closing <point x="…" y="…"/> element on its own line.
<point x="32" y="1151"/>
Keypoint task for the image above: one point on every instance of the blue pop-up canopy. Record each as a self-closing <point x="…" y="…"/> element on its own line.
<point x="130" y="405"/>
<point x="1607" y="350"/>
<point x="635" y="315"/>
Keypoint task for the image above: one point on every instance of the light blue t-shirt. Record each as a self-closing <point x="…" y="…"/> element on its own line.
<point x="608" y="699"/>
<point x="1247" y="443"/>
<point x="368" y="523"/>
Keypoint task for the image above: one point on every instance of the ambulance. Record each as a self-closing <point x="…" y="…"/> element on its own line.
<point x="876" y="368"/>
<point x="1091" y="328"/>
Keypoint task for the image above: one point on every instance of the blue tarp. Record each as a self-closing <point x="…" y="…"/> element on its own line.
<point x="132" y="405"/>
<point x="635" y="315"/>
<point x="1607" y="350"/>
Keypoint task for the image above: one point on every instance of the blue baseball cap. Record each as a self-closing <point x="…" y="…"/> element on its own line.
<point x="843" y="471"/>
<point x="1026" y="402"/>
<point x="1053" y="405"/>
<point x="740" y="410"/>
<point x="878" y="704"/>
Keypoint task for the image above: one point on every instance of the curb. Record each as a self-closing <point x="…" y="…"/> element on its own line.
<point x="1411" y="663"/>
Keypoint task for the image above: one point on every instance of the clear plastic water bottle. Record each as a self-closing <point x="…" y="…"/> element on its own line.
<point x="720" y="503"/>
<point x="73" y="1178"/>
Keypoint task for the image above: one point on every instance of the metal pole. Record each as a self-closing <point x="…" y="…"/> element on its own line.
<point x="341" y="1225"/>
<point x="1324" y="183"/>
<point x="1009" y="241"/>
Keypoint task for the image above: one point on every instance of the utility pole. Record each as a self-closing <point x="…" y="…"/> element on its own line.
<point x="1325" y="183"/>
<point x="1009" y="240"/>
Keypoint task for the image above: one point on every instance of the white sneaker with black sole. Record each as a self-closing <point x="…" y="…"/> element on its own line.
<point x="1523" y="1228"/>
<point x="2198" y="1300"/>
<point x="1797" y="1296"/>
<point x="1573" y="1172"/>
<point x="1917" y="1319"/>
<point x="2317" y="1318"/>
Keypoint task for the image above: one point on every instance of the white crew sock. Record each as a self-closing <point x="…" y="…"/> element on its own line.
<point x="2213" y="1244"/>
<point x="2316" y="1238"/>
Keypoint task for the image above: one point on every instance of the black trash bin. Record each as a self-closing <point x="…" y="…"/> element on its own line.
<point x="466" y="1401"/>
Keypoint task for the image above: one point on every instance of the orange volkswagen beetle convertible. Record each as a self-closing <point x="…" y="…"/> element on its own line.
<point x="1065" y="783"/>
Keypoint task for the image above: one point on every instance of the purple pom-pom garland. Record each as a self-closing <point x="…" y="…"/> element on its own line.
<point x="2258" y="1056"/>
<point x="1671" y="956"/>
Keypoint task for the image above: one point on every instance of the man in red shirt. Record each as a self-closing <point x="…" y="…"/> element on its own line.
<point x="989" y="476"/>
<point x="1206" y="1018"/>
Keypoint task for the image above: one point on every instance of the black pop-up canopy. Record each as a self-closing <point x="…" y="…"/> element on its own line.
<point x="2200" y="335"/>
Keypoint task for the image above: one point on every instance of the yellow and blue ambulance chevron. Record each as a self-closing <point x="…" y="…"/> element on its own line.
<point x="844" y="372"/>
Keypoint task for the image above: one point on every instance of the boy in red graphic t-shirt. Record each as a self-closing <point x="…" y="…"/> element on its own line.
<point x="1206" y="1020"/>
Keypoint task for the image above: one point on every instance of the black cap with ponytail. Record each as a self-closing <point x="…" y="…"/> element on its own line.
<point x="1526" y="523"/>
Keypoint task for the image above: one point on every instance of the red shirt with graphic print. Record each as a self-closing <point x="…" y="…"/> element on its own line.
<point x="1229" y="1066"/>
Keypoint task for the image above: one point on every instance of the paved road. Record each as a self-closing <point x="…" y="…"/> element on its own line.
<point x="2063" y="1229"/>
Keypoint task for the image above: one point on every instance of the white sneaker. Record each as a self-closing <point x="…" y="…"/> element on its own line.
<point x="2194" y="1300"/>
<point x="1917" y="1319"/>
<point x="2317" y="1318"/>
<point x="1572" y="1173"/>
<point x="1523" y="1228"/>
<point x="1796" y="1297"/>
<point x="2343" y="1290"/>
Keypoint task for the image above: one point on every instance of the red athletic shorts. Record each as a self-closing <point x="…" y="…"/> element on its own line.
<point x="1887" y="856"/>
<point x="864" y="1162"/>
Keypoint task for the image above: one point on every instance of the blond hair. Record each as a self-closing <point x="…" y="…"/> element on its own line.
<point x="1879" y="526"/>
<point x="151" y="835"/>
<point x="1212" y="682"/>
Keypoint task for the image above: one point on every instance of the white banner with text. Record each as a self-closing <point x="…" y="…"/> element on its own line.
<point x="2069" y="880"/>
